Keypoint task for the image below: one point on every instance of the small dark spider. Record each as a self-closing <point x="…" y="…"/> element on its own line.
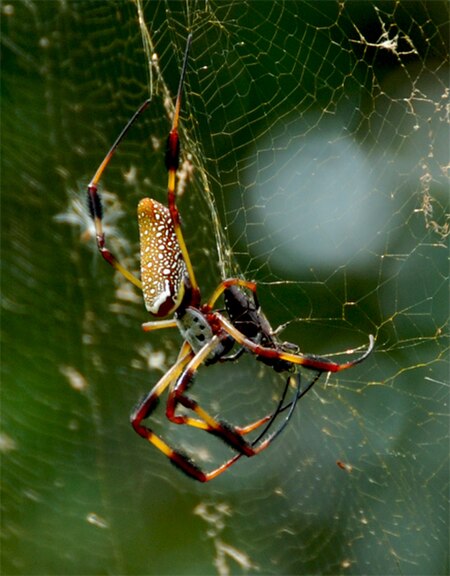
<point x="169" y="287"/>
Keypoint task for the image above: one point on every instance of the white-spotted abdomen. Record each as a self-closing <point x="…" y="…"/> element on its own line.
<point x="162" y="266"/>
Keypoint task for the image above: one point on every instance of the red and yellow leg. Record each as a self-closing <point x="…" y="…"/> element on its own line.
<point x="172" y="162"/>
<point x="95" y="203"/>
<point x="308" y="361"/>
<point x="148" y="405"/>
<point x="180" y="374"/>
<point x="231" y="435"/>
<point x="227" y="284"/>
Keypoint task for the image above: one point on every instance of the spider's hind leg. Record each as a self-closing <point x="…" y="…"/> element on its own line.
<point x="233" y="436"/>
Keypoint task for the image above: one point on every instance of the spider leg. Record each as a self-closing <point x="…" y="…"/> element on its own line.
<point x="221" y="469"/>
<point x="172" y="161"/>
<point x="179" y="377"/>
<point x="158" y="325"/>
<point x="291" y="405"/>
<point x="173" y="400"/>
<point x="231" y="435"/>
<point x="227" y="284"/>
<point x="146" y="407"/>
<point x="280" y="408"/>
<point x="185" y="420"/>
<point x="233" y="357"/>
<point x="302" y="393"/>
<point x="308" y="361"/>
<point x="95" y="203"/>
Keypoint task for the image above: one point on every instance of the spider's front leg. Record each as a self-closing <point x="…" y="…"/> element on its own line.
<point x="95" y="202"/>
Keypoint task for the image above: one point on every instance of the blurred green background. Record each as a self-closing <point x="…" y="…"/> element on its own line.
<point x="316" y="138"/>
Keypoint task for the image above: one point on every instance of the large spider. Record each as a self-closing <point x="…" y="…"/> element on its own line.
<point x="169" y="287"/>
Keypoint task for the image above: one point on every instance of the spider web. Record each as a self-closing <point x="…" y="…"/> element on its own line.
<point x="315" y="161"/>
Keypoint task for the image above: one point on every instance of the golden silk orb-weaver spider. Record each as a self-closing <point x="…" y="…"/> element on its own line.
<point x="170" y="288"/>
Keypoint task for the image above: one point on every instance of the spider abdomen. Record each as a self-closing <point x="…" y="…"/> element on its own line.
<point x="162" y="266"/>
